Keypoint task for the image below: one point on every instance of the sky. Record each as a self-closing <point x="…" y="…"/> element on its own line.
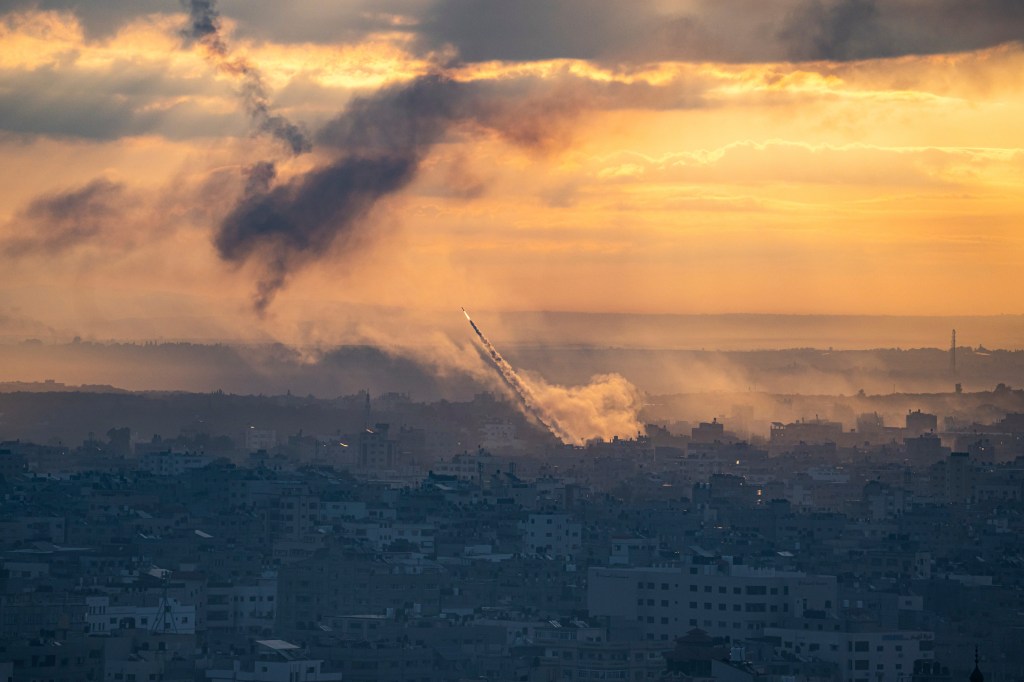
<point x="259" y="169"/>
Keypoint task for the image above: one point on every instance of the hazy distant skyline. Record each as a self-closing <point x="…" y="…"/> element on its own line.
<point x="849" y="157"/>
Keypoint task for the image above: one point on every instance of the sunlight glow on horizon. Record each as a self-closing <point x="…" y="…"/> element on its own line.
<point x="877" y="186"/>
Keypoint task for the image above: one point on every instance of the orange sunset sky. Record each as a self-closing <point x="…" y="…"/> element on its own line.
<point x="690" y="156"/>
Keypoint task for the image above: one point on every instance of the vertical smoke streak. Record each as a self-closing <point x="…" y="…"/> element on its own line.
<point x="204" y="28"/>
<point x="512" y="379"/>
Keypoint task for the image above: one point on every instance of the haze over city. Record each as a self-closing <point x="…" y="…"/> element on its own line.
<point x="464" y="339"/>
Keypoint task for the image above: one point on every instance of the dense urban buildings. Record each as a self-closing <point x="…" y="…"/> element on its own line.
<point x="378" y="538"/>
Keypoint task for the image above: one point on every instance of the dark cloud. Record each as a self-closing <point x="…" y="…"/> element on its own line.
<point x="321" y="22"/>
<point x="867" y="29"/>
<point x="715" y="30"/>
<point x="99" y="19"/>
<point x="620" y="32"/>
<point x="848" y="29"/>
<point x="483" y="30"/>
<point x="59" y="222"/>
<point x="611" y="32"/>
<point x="125" y="100"/>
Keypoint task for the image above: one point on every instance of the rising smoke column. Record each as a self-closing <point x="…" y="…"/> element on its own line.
<point x="377" y="145"/>
<point x="513" y="380"/>
<point x="204" y="28"/>
<point x="373" y="149"/>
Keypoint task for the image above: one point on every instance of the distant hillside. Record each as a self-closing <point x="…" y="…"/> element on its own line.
<point x="277" y="369"/>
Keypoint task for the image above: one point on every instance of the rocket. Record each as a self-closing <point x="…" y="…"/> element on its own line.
<point x="514" y="382"/>
<point x="473" y="325"/>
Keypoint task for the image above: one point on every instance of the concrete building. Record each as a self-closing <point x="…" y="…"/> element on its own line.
<point x="552" y="534"/>
<point x="919" y="423"/>
<point x="274" y="660"/>
<point x="169" y="463"/>
<point x="259" y="439"/>
<point x="863" y="655"/>
<point x="717" y="594"/>
<point x="153" y="613"/>
<point x="806" y="431"/>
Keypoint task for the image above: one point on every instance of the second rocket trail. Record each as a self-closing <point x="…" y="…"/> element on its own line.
<point x="513" y="380"/>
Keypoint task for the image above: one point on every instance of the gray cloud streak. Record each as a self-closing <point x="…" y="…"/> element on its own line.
<point x="58" y="222"/>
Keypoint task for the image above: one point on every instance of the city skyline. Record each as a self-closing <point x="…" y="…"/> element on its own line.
<point x="851" y="158"/>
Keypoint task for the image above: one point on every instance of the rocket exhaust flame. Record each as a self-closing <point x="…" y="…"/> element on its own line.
<point x="514" y="382"/>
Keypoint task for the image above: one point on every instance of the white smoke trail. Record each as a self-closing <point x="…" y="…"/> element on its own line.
<point x="606" y="407"/>
<point x="526" y="395"/>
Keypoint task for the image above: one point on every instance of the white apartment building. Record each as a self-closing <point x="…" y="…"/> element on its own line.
<point x="156" y="614"/>
<point x="719" y="596"/>
<point x="861" y="656"/>
<point x="554" y="534"/>
<point x="275" y="661"/>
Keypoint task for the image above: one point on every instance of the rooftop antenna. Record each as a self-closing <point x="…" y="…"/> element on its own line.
<point x="164" y="621"/>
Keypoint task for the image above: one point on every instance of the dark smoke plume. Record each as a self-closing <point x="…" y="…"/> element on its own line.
<point x="292" y="224"/>
<point x="204" y="28"/>
<point x="378" y="142"/>
<point x="846" y="29"/>
<point x="59" y="222"/>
